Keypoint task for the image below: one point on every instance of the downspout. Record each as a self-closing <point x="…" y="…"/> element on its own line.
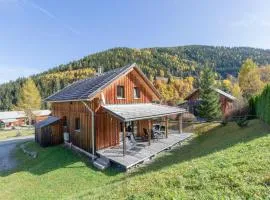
<point x="93" y="128"/>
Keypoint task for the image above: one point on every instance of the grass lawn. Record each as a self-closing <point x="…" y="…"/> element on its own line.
<point x="220" y="162"/>
<point x="5" y="134"/>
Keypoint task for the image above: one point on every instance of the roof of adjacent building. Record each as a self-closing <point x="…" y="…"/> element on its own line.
<point x="161" y="78"/>
<point x="87" y="88"/>
<point x="12" y="115"/>
<point x="47" y="122"/>
<point x="227" y="95"/>
<point x="8" y="120"/>
<point x="41" y="112"/>
<point x="21" y="114"/>
<point x="132" y="112"/>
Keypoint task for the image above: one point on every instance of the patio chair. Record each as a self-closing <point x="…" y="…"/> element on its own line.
<point x="159" y="131"/>
<point x="153" y="134"/>
<point x="132" y="139"/>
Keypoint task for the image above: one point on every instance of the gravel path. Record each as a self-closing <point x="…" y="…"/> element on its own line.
<point x="7" y="161"/>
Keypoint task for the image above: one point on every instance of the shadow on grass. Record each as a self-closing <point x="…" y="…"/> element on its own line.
<point x="50" y="159"/>
<point x="216" y="139"/>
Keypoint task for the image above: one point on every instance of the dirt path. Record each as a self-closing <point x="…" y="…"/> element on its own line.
<point x="7" y="161"/>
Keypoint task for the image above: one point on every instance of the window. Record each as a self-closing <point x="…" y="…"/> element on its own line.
<point x="120" y="91"/>
<point x="77" y="124"/>
<point x="136" y="93"/>
<point x="64" y="120"/>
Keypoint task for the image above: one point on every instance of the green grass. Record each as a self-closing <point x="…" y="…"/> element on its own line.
<point x="5" y="134"/>
<point x="220" y="162"/>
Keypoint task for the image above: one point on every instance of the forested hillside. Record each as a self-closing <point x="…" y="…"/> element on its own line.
<point x="174" y="61"/>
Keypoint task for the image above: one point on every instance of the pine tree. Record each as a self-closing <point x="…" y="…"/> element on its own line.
<point x="209" y="107"/>
<point x="29" y="99"/>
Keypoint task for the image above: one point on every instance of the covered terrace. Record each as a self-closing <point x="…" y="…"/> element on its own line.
<point x="138" y="144"/>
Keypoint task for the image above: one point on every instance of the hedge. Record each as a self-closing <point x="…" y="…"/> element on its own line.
<point x="260" y="105"/>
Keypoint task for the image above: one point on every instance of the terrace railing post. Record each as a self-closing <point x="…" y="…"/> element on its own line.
<point x="124" y="137"/>
<point x="180" y="123"/>
<point x="149" y="130"/>
<point x="166" y="128"/>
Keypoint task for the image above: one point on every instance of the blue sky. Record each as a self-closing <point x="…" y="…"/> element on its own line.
<point x="39" y="34"/>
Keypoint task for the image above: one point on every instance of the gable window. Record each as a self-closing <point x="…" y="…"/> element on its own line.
<point x="136" y="93"/>
<point x="120" y="91"/>
<point x="77" y="124"/>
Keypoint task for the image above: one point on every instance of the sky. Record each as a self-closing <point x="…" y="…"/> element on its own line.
<point x="36" y="35"/>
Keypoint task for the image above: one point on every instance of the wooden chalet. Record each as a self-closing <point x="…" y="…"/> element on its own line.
<point x="100" y="114"/>
<point x="226" y="102"/>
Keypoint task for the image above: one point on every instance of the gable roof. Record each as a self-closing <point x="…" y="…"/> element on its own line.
<point x="87" y="88"/>
<point x="21" y="114"/>
<point x="227" y="95"/>
<point x="12" y="115"/>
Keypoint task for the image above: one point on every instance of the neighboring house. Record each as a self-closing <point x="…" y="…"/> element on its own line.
<point x="12" y="118"/>
<point x="19" y="118"/>
<point x="226" y="102"/>
<point x="40" y="115"/>
<point x="98" y="112"/>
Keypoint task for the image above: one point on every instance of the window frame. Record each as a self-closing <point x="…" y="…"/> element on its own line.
<point x="77" y="127"/>
<point x="136" y="91"/>
<point x="123" y="93"/>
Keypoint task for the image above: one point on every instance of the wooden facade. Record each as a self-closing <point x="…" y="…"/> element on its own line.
<point x="49" y="135"/>
<point x="107" y="128"/>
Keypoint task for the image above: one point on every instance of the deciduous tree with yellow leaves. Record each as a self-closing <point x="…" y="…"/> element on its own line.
<point x="249" y="79"/>
<point x="29" y="99"/>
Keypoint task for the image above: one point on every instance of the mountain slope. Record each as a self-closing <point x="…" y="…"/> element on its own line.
<point x="178" y="61"/>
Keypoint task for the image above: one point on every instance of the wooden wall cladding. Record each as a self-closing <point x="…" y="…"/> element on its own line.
<point x="73" y="110"/>
<point x="131" y="80"/>
<point x="107" y="127"/>
<point x="49" y="135"/>
<point x="107" y="130"/>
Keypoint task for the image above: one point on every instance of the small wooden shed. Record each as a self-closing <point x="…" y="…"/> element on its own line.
<point x="48" y="132"/>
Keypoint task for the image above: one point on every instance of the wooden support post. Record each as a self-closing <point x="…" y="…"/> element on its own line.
<point x="166" y="128"/>
<point x="124" y="137"/>
<point x="133" y="129"/>
<point x="180" y="123"/>
<point x="149" y="132"/>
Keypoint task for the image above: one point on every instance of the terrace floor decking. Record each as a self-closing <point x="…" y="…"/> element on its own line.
<point x="142" y="150"/>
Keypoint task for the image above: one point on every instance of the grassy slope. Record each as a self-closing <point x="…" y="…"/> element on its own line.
<point x="5" y="134"/>
<point x="226" y="161"/>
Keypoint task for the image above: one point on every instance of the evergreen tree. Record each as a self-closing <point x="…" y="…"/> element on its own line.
<point x="209" y="108"/>
<point x="29" y="99"/>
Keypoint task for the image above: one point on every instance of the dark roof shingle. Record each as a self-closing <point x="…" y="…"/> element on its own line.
<point x="47" y="122"/>
<point x="84" y="89"/>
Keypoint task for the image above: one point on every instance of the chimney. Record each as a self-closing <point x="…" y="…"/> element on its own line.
<point x="99" y="70"/>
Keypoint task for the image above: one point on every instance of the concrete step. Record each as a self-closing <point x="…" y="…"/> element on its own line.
<point x="104" y="159"/>
<point x="101" y="163"/>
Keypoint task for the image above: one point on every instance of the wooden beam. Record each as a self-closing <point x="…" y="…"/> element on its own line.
<point x="133" y="129"/>
<point x="166" y="127"/>
<point x="180" y="123"/>
<point x="149" y="132"/>
<point x="124" y="137"/>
